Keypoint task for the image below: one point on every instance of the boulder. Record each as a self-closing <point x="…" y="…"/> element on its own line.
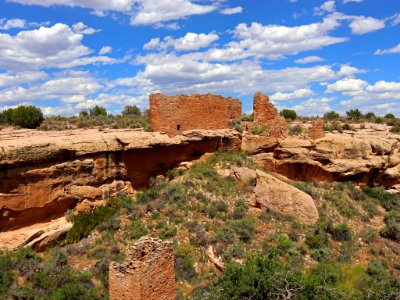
<point x="283" y="198"/>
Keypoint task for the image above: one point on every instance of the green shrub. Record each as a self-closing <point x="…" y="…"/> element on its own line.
<point x="356" y="194"/>
<point x="370" y="208"/>
<point x="288" y="114"/>
<point x="240" y="209"/>
<point x="84" y="224"/>
<point x="331" y="115"/>
<point x="392" y="228"/>
<point x="389" y="116"/>
<point x="225" y="235"/>
<point x="239" y="128"/>
<point x="137" y="229"/>
<point x="173" y="173"/>
<point x="341" y="203"/>
<point x="184" y="262"/>
<point x="131" y="110"/>
<point x="369" y="116"/>
<point x="24" y="116"/>
<point x="354" y="114"/>
<point x="97" y="111"/>
<point x="321" y="254"/>
<point x="395" y="129"/>
<point x="387" y="200"/>
<point x="307" y="187"/>
<point x="145" y="196"/>
<point x="247" y="118"/>
<point x="175" y="193"/>
<point x="166" y="231"/>
<point x="235" y="251"/>
<point x="245" y="229"/>
<point x="316" y="240"/>
<point x="6" y="276"/>
<point x="346" y="127"/>
<point x="296" y="130"/>
<point x="341" y="232"/>
<point x="259" y="129"/>
<point x="262" y="277"/>
<point x="369" y="236"/>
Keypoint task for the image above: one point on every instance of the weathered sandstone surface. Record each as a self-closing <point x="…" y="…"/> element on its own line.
<point x="38" y="236"/>
<point x="277" y="195"/>
<point x="365" y="157"/>
<point x="43" y="174"/>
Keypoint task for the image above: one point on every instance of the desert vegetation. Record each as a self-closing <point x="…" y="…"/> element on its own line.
<point x="23" y="116"/>
<point x="350" y="253"/>
<point x="96" y="117"/>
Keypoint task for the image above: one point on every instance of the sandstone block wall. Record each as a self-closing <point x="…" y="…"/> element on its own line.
<point x="317" y="130"/>
<point x="146" y="274"/>
<point x="265" y="113"/>
<point x="173" y="114"/>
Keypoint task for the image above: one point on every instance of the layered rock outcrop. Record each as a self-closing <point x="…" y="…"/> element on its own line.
<point x="146" y="274"/>
<point x="364" y="157"/>
<point x="43" y="174"/>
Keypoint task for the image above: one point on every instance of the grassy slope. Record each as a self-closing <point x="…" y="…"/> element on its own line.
<point x="342" y="256"/>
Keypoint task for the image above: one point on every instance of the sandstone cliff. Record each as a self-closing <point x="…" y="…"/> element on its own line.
<point x="42" y="174"/>
<point x="363" y="157"/>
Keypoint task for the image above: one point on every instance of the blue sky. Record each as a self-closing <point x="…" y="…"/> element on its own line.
<point x="311" y="56"/>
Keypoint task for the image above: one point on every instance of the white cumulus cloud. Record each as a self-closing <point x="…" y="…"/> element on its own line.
<point x="308" y="60"/>
<point x="393" y="50"/>
<point x="361" y="25"/>
<point x="57" y="46"/>
<point x="232" y="10"/>
<point x="347" y="85"/>
<point x="297" y="94"/>
<point x="191" y="41"/>
<point x="105" y="50"/>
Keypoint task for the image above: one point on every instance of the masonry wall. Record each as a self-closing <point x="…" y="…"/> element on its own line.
<point x="317" y="130"/>
<point x="173" y="114"/>
<point x="266" y="113"/>
<point x="146" y="274"/>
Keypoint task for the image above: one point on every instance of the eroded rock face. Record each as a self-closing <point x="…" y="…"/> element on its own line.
<point x="146" y="274"/>
<point x="364" y="157"/>
<point x="39" y="236"/>
<point x="43" y="174"/>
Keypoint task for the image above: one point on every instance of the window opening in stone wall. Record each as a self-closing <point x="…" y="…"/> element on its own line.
<point x="178" y="127"/>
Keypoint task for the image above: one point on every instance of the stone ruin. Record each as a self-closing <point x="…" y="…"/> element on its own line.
<point x="265" y="113"/>
<point x="146" y="274"/>
<point x="173" y="114"/>
<point x="317" y="130"/>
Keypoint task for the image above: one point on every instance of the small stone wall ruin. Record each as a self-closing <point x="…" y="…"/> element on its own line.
<point x="265" y="113"/>
<point x="317" y="130"/>
<point x="173" y="114"/>
<point x="146" y="274"/>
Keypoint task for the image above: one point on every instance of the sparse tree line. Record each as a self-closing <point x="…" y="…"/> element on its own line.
<point x="333" y="121"/>
<point x="32" y="117"/>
